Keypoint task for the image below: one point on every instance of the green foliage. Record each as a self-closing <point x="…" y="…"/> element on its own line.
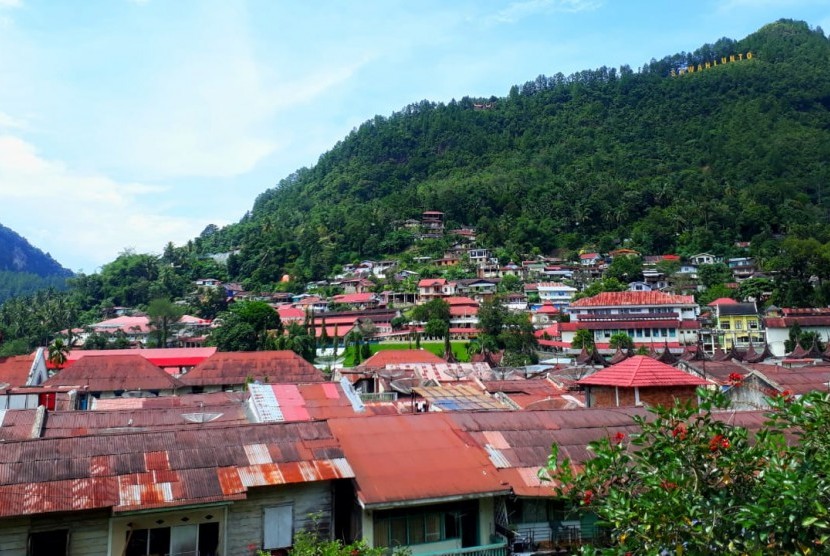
<point x="583" y="339"/>
<point x="625" y="269"/>
<point x="32" y="321"/>
<point x="621" y="340"/>
<point x="599" y="286"/>
<point x="713" y="274"/>
<point x="164" y="315"/>
<point x="436" y="328"/>
<point x="246" y="326"/>
<point x="605" y="155"/>
<point x="435" y="309"/>
<point x="715" y="292"/>
<point x="297" y="339"/>
<point x="690" y="483"/>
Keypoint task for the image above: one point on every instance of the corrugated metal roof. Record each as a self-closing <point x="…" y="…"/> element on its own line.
<point x="271" y="367"/>
<point x="459" y="397"/>
<point x="169" y="468"/>
<point x="433" y="462"/>
<point x="109" y="373"/>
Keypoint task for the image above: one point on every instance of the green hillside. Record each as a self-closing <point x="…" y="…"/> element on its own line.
<point x="25" y="269"/>
<point x="602" y="157"/>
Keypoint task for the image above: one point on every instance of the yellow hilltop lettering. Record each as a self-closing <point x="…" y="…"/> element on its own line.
<point x="723" y="60"/>
<point x="707" y="65"/>
<point x="732" y="58"/>
<point x="700" y="67"/>
<point x="740" y="55"/>
<point x="749" y="55"/>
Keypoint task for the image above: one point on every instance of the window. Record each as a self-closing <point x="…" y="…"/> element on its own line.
<point x="179" y="540"/>
<point x="753" y="324"/>
<point x="277" y="526"/>
<point x="724" y="326"/>
<point x="738" y="325"/>
<point x="417" y="528"/>
<point x="49" y="543"/>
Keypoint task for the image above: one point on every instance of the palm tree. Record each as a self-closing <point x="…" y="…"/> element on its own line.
<point x="58" y="352"/>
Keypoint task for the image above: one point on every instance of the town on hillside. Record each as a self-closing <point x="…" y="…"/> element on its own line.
<point x="411" y="417"/>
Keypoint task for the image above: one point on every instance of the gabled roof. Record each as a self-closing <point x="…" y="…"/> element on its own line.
<point x="354" y="298"/>
<point x="14" y="370"/>
<point x="173" y="468"/>
<point x="414" y="458"/>
<point x="641" y="371"/>
<point x="169" y="357"/>
<point x="400" y="356"/>
<point x="238" y="367"/>
<point x="110" y="373"/>
<point x="429" y="282"/>
<point x="722" y="301"/>
<point x="611" y="299"/>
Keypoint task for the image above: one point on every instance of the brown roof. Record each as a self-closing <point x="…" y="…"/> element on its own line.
<point x="109" y="373"/>
<point x="14" y="370"/>
<point x="239" y="367"/>
<point x="139" y="471"/>
<point x="17" y="424"/>
<point x="400" y="356"/>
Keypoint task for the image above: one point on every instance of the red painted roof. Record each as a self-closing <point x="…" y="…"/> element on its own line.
<point x="641" y="371"/>
<point x="787" y="322"/>
<point x="722" y="301"/>
<point x="547" y="309"/>
<point x="460" y="300"/>
<point x="275" y="367"/>
<point x="429" y="282"/>
<point x="109" y="373"/>
<point x="413" y="457"/>
<point x="586" y="256"/>
<point x="400" y="356"/>
<point x="463" y="310"/>
<point x="552" y="331"/>
<point x="287" y="312"/>
<point x="14" y="370"/>
<point x="170" y="357"/>
<point x="354" y="298"/>
<point x="610" y="299"/>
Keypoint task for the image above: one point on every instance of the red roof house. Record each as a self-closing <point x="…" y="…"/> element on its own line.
<point x="114" y="373"/>
<point x="400" y="357"/>
<point x="639" y="380"/>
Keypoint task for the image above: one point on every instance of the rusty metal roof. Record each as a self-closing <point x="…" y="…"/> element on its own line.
<point x="414" y="458"/>
<point x="169" y="468"/>
<point x="273" y="367"/>
<point x="62" y="424"/>
<point x="300" y="402"/>
<point x="400" y="357"/>
<point x="17" y="424"/>
<point x="161" y="402"/>
<point x="459" y="397"/>
<point x="109" y="373"/>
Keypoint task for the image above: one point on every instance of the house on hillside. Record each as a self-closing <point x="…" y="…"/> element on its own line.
<point x="556" y="293"/>
<point x="777" y="326"/>
<point x="225" y="371"/>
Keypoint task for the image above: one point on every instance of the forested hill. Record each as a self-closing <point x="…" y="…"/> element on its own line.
<point x="24" y="268"/>
<point x="665" y="163"/>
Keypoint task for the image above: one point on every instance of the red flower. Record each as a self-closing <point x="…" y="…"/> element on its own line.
<point x="679" y="431"/>
<point x="668" y="485"/>
<point x="736" y="379"/>
<point x="718" y="442"/>
<point x="588" y="497"/>
<point x="787" y="395"/>
<point x="619" y="437"/>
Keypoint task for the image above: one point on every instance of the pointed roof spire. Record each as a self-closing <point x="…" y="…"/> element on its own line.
<point x="619" y="356"/>
<point x="667" y="356"/>
<point x="765" y="354"/>
<point x="799" y="352"/>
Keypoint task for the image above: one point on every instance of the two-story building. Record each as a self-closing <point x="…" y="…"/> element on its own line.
<point x="737" y="324"/>
<point x="648" y="317"/>
<point x="556" y="293"/>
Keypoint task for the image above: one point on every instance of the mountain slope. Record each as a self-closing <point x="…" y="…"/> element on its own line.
<point x="686" y="163"/>
<point x="24" y="268"/>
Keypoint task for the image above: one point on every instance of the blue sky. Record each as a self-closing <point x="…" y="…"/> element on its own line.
<point x="130" y="123"/>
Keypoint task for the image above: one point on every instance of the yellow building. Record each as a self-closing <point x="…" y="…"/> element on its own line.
<point x="737" y="324"/>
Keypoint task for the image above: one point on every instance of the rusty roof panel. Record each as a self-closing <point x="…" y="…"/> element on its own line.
<point x="108" y="373"/>
<point x="143" y="470"/>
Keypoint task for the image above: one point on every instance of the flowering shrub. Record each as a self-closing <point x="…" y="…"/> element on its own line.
<point x="689" y="483"/>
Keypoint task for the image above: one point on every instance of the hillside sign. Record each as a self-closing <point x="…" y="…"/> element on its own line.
<point x="706" y="65"/>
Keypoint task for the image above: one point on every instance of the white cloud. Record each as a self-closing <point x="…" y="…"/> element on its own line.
<point x="10" y="3"/>
<point x="83" y="219"/>
<point x="517" y="11"/>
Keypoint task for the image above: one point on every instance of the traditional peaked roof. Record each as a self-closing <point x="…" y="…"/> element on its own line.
<point x="611" y="299"/>
<point x="619" y="356"/>
<point x="641" y="371"/>
<point x="694" y="353"/>
<point x="590" y="358"/>
<point x="733" y="353"/>
<point x="275" y="367"/>
<point x="667" y="356"/>
<point x="400" y="356"/>
<point x="110" y="373"/>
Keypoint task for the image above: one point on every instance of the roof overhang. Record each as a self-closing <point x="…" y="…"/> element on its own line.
<point x="428" y="501"/>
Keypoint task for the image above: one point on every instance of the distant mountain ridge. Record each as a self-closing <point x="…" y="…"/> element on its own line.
<point x="18" y="255"/>
<point x="25" y="268"/>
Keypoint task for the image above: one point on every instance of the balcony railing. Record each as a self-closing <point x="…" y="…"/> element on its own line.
<point x="499" y="549"/>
